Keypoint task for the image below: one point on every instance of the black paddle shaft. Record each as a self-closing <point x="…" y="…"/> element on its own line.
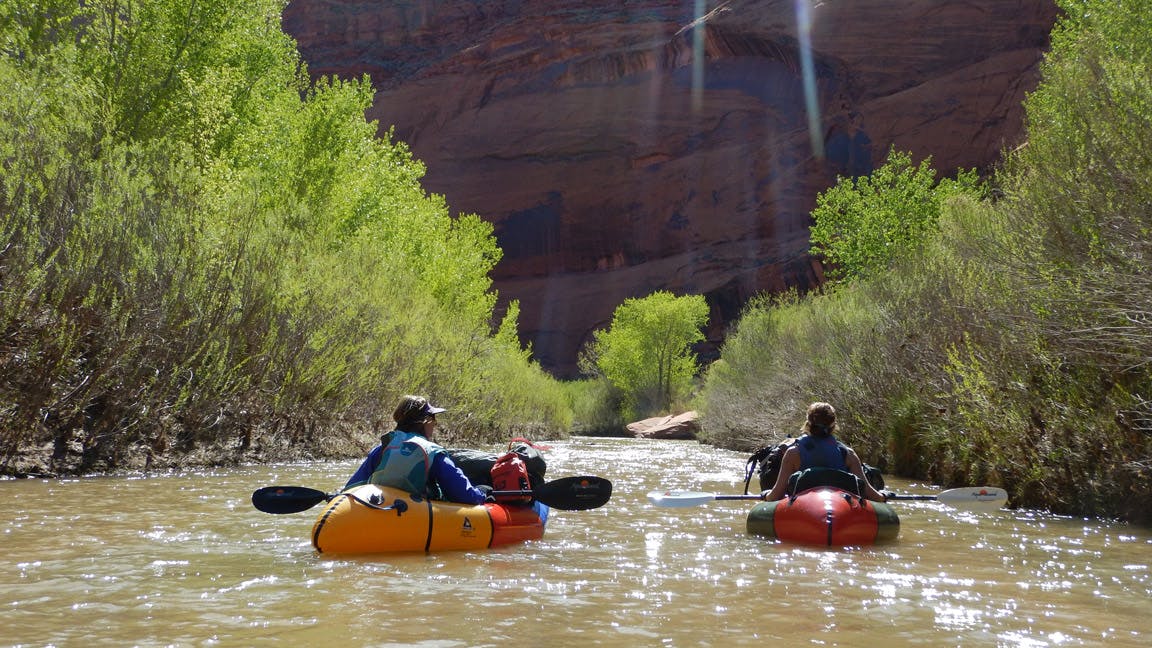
<point x="566" y="494"/>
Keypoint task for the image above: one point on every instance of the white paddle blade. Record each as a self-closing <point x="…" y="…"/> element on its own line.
<point x="981" y="497"/>
<point x="679" y="499"/>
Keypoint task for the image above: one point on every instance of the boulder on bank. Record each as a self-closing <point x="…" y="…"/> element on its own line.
<point x="680" y="426"/>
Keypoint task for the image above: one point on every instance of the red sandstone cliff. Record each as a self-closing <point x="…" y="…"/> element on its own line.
<point x="625" y="147"/>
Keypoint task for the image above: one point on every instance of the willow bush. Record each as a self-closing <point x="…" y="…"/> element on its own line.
<point x="207" y="257"/>
<point x="597" y="407"/>
<point x="786" y="352"/>
<point x="1051" y="393"/>
<point x="862" y="225"/>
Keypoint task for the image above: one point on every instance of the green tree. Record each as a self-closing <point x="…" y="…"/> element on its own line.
<point x="863" y="224"/>
<point x="646" y="353"/>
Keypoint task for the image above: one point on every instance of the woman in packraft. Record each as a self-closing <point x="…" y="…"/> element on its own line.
<point x="408" y="458"/>
<point x="819" y="448"/>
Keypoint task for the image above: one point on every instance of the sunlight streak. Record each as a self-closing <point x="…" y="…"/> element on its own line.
<point x="808" y="72"/>
<point x="698" y="58"/>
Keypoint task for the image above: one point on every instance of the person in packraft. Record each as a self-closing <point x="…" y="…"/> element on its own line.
<point x="818" y="447"/>
<point x="409" y="459"/>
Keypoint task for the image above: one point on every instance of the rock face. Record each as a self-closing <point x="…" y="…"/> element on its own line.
<point x="623" y="148"/>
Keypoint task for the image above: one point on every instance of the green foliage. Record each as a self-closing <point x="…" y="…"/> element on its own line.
<point x="202" y="248"/>
<point x="864" y="224"/>
<point x="1012" y="347"/>
<point x="646" y="353"/>
<point x="786" y="352"/>
<point x="596" y="407"/>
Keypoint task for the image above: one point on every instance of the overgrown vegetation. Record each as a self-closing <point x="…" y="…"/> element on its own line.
<point x="1012" y="347"/>
<point x="205" y="257"/>
<point x="597" y="407"/>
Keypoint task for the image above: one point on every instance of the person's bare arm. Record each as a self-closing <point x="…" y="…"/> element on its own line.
<point x="789" y="464"/>
<point x="857" y="468"/>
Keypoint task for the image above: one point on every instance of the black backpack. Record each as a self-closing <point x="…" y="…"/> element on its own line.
<point x="767" y="461"/>
<point x="477" y="464"/>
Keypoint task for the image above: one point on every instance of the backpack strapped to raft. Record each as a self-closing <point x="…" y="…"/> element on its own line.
<point x="767" y="461"/>
<point x="477" y="465"/>
<point x="802" y="480"/>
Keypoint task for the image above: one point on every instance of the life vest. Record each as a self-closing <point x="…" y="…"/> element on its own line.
<point x="767" y="461"/>
<point x="822" y="452"/>
<point x="406" y="463"/>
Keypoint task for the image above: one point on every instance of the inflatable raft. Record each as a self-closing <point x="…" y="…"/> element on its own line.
<point x="824" y="507"/>
<point x="375" y="519"/>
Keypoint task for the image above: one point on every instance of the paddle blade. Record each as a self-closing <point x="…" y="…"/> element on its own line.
<point x="574" y="493"/>
<point x="287" y="499"/>
<point x="981" y="497"/>
<point x="679" y="499"/>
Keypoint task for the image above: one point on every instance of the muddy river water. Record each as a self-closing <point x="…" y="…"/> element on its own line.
<point x="185" y="560"/>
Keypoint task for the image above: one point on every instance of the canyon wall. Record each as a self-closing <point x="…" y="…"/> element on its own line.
<point x="626" y="147"/>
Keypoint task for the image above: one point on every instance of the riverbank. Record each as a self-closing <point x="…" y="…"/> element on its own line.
<point x="263" y="446"/>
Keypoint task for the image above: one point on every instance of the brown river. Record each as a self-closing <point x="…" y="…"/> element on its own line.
<point x="187" y="561"/>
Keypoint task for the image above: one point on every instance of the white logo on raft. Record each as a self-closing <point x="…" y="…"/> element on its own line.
<point x="466" y="530"/>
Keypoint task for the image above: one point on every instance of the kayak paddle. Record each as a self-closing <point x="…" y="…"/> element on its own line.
<point x="565" y="494"/>
<point x="984" y="497"/>
<point x="973" y="496"/>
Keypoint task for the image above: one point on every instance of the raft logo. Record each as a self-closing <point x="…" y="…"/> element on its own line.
<point x="467" y="530"/>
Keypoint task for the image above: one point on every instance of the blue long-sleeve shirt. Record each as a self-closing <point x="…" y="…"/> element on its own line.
<point x="452" y="481"/>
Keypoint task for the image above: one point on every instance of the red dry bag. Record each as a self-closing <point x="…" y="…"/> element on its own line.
<point x="510" y="473"/>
